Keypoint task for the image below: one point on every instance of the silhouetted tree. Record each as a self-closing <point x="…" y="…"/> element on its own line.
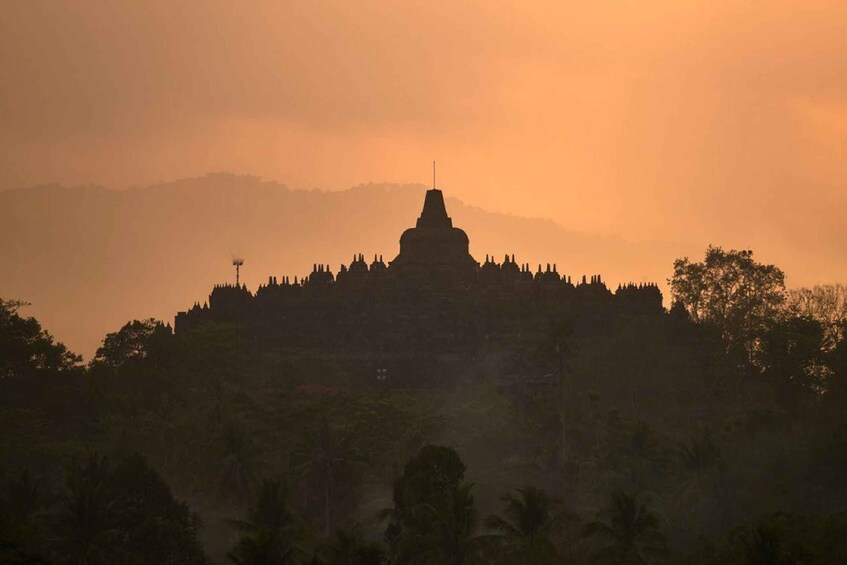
<point x="628" y="533"/>
<point x="21" y="520"/>
<point x="700" y="453"/>
<point x="134" y="342"/>
<point x="444" y="532"/>
<point x="836" y="388"/>
<point x="782" y="539"/>
<point x="328" y="466"/>
<point x="85" y="517"/>
<point x="429" y="476"/>
<point x="122" y="513"/>
<point x="730" y="290"/>
<point x="348" y="547"/>
<point x="155" y="528"/>
<point x="238" y="465"/>
<point x="528" y="527"/>
<point x="434" y="518"/>
<point x="791" y="355"/>
<point x="826" y="304"/>
<point x="27" y="350"/>
<point x="269" y="534"/>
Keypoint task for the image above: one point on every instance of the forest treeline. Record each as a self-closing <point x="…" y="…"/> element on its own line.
<point x="710" y="433"/>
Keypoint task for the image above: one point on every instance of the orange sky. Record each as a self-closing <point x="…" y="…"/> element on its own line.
<point x="722" y="122"/>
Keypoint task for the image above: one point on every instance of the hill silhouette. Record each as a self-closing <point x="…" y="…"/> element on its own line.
<point x="88" y="258"/>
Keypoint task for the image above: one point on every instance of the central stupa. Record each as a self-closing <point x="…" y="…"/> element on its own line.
<point x="434" y="246"/>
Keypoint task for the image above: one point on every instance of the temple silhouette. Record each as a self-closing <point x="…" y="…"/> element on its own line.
<point x="425" y="315"/>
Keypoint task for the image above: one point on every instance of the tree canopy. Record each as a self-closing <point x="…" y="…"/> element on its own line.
<point x="730" y="290"/>
<point x="135" y="341"/>
<point x="27" y="350"/>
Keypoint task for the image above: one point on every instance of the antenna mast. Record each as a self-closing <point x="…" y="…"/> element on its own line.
<point x="237" y="262"/>
<point x="433" y="175"/>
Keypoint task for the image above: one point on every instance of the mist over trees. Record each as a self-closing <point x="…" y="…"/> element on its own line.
<point x="710" y="433"/>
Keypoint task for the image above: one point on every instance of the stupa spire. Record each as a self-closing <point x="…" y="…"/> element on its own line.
<point x="434" y="213"/>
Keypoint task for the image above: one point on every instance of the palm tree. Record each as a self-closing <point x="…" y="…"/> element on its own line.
<point x="774" y="541"/>
<point x="700" y="454"/>
<point x="349" y="547"/>
<point x="328" y="460"/>
<point x="238" y="465"/>
<point x="85" y="513"/>
<point x="22" y="498"/>
<point x="766" y="547"/>
<point x="629" y="533"/>
<point x="528" y="525"/>
<point x="21" y="512"/>
<point x="446" y="532"/>
<point x="268" y="535"/>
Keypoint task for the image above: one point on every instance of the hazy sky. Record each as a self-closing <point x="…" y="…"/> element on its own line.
<point x="694" y="121"/>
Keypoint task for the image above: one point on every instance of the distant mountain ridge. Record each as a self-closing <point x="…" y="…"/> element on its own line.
<point x="89" y="258"/>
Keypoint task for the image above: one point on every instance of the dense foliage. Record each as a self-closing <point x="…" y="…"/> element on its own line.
<point x="711" y="433"/>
